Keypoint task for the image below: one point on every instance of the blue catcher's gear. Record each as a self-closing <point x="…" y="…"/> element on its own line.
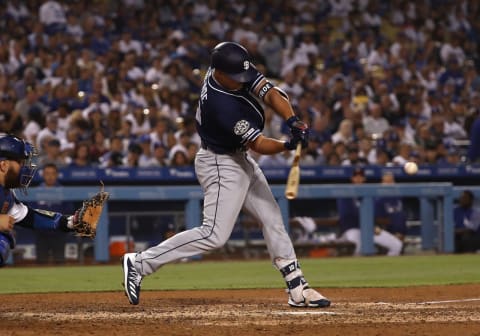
<point x="14" y="148"/>
<point x="234" y="60"/>
<point x="7" y="243"/>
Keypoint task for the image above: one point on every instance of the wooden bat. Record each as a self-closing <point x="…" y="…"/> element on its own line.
<point x="291" y="190"/>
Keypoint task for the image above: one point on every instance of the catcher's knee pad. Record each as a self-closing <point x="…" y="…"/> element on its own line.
<point x="7" y="243"/>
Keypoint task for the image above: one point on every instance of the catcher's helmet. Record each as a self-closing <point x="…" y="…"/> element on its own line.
<point x="234" y="60"/>
<point x="14" y="148"/>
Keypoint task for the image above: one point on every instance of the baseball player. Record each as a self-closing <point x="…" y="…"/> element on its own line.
<point x="230" y="120"/>
<point x="16" y="171"/>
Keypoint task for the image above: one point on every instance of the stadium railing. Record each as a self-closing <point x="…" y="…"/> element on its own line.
<point x="436" y="206"/>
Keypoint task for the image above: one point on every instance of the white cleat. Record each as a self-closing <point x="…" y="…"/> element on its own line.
<point x="311" y="299"/>
<point x="131" y="279"/>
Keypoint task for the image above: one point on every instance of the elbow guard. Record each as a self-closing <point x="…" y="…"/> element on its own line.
<point x="283" y="93"/>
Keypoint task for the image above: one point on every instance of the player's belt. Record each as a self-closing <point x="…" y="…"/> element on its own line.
<point x="222" y="150"/>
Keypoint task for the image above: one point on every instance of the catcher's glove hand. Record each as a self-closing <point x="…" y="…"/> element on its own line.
<point x="85" y="219"/>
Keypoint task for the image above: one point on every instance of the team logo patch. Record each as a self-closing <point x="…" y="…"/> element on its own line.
<point x="241" y="127"/>
<point x="246" y="65"/>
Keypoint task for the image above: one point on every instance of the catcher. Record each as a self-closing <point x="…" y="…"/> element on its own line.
<point x="16" y="171"/>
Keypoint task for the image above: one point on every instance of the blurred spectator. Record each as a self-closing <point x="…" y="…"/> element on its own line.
<point x="178" y="157"/>
<point x="375" y="123"/>
<point x="50" y="245"/>
<point x="48" y="132"/>
<point x="17" y="10"/>
<point x="173" y="79"/>
<point x="34" y="123"/>
<point x="52" y="16"/>
<point x="139" y="118"/>
<point x="146" y="158"/>
<point x="270" y="47"/>
<point x="403" y="155"/>
<point x="133" y="155"/>
<point x="219" y="25"/>
<point x="116" y="149"/>
<point x="474" y="147"/>
<point x="467" y="224"/>
<point x="192" y="149"/>
<point x="127" y="43"/>
<point x="52" y="154"/>
<point x="28" y="79"/>
<point x="11" y="120"/>
<point x="81" y="156"/>
<point x="383" y="157"/>
<point x="30" y="100"/>
<point x="344" y="133"/>
<point x="99" y="145"/>
<point x="353" y="157"/>
<point x="160" y="153"/>
<point x="161" y="133"/>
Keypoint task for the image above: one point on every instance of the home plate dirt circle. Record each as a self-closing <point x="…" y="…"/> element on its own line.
<point x="426" y="310"/>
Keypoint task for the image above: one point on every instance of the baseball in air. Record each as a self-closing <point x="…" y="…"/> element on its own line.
<point x="411" y="168"/>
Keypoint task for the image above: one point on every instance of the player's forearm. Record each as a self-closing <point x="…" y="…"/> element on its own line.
<point x="279" y="104"/>
<point x="267" y="146"/>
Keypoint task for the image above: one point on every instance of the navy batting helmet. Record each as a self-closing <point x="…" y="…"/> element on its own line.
<point x="14" y="148"/>
<point x="234" y="60"/>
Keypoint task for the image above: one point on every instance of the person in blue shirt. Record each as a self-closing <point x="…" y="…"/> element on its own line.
<point x="51" y="242"/>
<point x="467" y="224"/>
<point x="389" y="211"/>
<point x="349" y="222"/>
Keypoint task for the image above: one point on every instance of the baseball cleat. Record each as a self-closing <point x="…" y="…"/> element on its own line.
<point x="131" y="278"/>
<point x="312" y="299"/>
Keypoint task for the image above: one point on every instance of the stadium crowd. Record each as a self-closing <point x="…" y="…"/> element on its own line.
<point x="116" y="83"/>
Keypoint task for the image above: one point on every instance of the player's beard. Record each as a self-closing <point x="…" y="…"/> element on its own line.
<point x="12" y="179"/>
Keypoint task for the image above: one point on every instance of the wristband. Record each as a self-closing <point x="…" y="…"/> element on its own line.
<point x="292" y="120"/>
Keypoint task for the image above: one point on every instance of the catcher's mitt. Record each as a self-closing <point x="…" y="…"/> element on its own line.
<point x="86" y="218"/>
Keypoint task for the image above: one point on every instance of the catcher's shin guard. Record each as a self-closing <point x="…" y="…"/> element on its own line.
<point x="299" y="293"/>
<point x="7" y="243"/>
<point x="131" y="278"/>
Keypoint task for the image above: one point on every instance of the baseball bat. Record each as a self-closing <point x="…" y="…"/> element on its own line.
<point x="291" y="190"/>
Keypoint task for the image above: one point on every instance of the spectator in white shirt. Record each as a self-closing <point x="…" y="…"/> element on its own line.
<point x="219" y="26"/>
<point x="340" y="8"/>
<point x="17" y="10"/>
<point x="52" y="16"/>
<point x="127" y="44"/>
<point x="375" y="123"/>
<point x="344" y="133"/>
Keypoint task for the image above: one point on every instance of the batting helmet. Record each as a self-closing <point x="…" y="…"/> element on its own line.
<point x="14" y="148"/>
<point x="234" y="60"/>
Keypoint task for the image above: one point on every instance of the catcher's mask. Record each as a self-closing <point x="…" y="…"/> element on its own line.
<point x="23" y="152"/>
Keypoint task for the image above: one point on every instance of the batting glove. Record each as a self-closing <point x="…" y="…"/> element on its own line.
<point x="291" y="144"/>
<point x="296" y="125"/>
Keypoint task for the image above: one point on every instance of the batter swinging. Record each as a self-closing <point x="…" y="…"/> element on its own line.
<point x="230" y="120"/>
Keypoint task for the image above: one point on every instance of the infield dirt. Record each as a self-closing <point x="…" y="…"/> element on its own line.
<point x="430" y="310"/>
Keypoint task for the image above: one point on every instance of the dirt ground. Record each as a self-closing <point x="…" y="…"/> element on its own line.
<point x="432" y="310"/>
